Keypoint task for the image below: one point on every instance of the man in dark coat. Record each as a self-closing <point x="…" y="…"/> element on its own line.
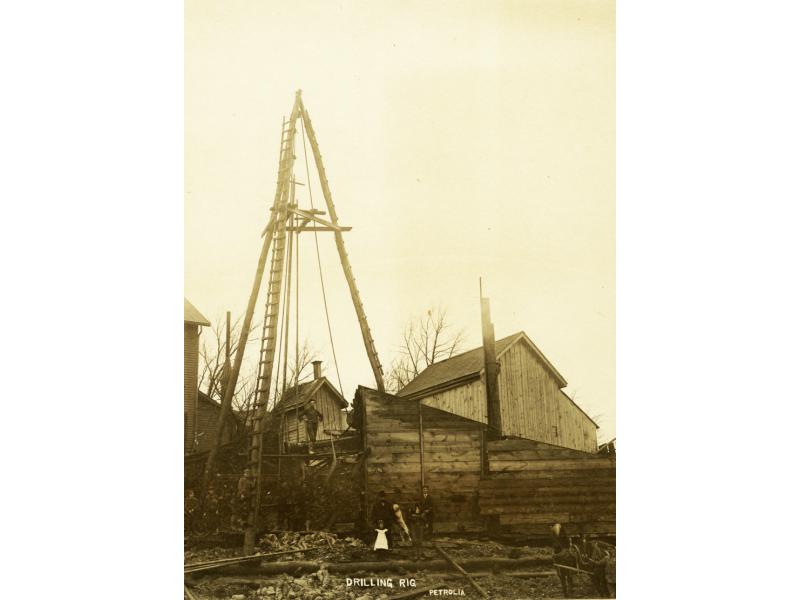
<point x="427" y="510"/>
<point x="313" y="418"/>
<point x="191" y="507"/>
<point x="244" y="493"/>
<point x="382" y="511"/>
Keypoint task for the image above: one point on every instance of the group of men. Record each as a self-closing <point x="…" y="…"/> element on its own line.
<point x="221" y="505"/>
<point x="416" y="521"/>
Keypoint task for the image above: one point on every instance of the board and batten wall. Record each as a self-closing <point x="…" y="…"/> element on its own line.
<point x="532" y="404"/>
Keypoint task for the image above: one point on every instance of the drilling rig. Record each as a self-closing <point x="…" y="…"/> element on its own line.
<point x="286" y="221"/>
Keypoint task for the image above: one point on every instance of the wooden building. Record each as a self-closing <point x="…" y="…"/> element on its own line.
<point x="288" y="412"/>
<point x="207" y="420"/>
<point x="532" y="403"/>
<point x="193" y="322"/>
<point x="477" y="484"/>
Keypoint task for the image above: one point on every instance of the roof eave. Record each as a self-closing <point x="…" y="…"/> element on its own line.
<point x="443" y="387"/>
<point x="550" y="367"/>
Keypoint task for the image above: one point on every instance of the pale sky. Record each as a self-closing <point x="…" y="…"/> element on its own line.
<point x="461" y="140"/>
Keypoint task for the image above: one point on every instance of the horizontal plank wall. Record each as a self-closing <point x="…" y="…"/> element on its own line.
<point x="532" y="485"/>
<point x="450" y="454"/>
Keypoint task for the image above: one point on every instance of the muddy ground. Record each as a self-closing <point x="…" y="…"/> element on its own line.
<point x="328" y="548"/>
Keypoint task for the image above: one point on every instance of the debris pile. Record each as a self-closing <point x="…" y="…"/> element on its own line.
<point x="460" y="548"/>
<point x="208" y="554"/>
<point x="315" y="586"/>
<point x="315" y="544"/>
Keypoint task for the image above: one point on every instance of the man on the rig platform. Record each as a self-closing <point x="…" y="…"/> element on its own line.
<point x="312" y="417"/>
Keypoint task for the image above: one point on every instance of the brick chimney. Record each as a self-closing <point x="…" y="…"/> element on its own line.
<point x="317" y="368"/>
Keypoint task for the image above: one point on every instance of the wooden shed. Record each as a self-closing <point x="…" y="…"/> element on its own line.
<point x="287" y="414"/>
<point x="478" y="484"/>
<point x="206" y="421"/>
<point x="533" y="404"/>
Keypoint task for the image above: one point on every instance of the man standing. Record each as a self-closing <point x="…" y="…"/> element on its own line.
<point x="191" y="506"/>
<point x="427" y="510"/>
<point x="417" y="525"/>
<point x="244" y="493"/>
<point x="312" y="417"/>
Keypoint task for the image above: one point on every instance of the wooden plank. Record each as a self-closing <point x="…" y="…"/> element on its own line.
<point x="413" y="593"/>
<point x="574" y="508"/>
<point x="539" y="454"/>
<point x="513" y="444"/>
<point x="533" y="504"/>
<point x="589" y="475"/>
<point x="536" y="479"/>
<point x="376" y="437"/>
<point x="466" y="575"/>
<point x="386" y="454"/>
<point x="604" y="522"/>
<point x="438" y="467"/>
<point x="544" y="486"/>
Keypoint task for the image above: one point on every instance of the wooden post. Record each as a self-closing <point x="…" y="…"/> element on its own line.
<point x="421" y="450"/>
<point x="366" y="334"/>
<point x="237" y="361"/>
<point x="484" y="454"/>
<point x="490" y="368"/>
<point x="458" y="568"/>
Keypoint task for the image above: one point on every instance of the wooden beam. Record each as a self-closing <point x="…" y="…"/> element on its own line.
<point x="311" y="216"/>
<point x="490" y="366"/>
<point x="466" y="575"/>
<point x="366" y="334"/>
<point x="310" y="566"/>
<point x="323" y="228"/>
<point x="418" y="591"/>
<point x="421" y="450"/>
<point x="224" y="562"/>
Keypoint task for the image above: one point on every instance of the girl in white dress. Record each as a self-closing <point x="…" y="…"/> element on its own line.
<point x="381" y="543"/>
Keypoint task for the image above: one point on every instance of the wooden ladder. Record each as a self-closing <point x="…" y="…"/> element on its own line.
<point x="269" y="330"/>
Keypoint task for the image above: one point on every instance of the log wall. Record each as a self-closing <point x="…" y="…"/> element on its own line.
<point x="532" y="485"/>
<point x="449" y="461"/>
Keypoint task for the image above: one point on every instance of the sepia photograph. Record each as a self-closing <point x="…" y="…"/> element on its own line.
<point x="434" y="255"/>
<point x="399" y="311"/>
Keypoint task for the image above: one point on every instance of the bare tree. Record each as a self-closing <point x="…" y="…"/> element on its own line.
<point x="426" y="340"/>
<point x="213" y="372"/>
<point x="299" y="366"/>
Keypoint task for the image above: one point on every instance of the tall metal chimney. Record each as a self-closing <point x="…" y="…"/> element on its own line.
<point x="317" y="368"/>
<point x="490" y="366"/>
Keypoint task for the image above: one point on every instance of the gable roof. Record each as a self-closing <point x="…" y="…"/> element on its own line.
<point x="295" y="397"/>
<point x="192" y="315"/>
<point x="203" y="397"/>
<point x="469" y="365"/>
